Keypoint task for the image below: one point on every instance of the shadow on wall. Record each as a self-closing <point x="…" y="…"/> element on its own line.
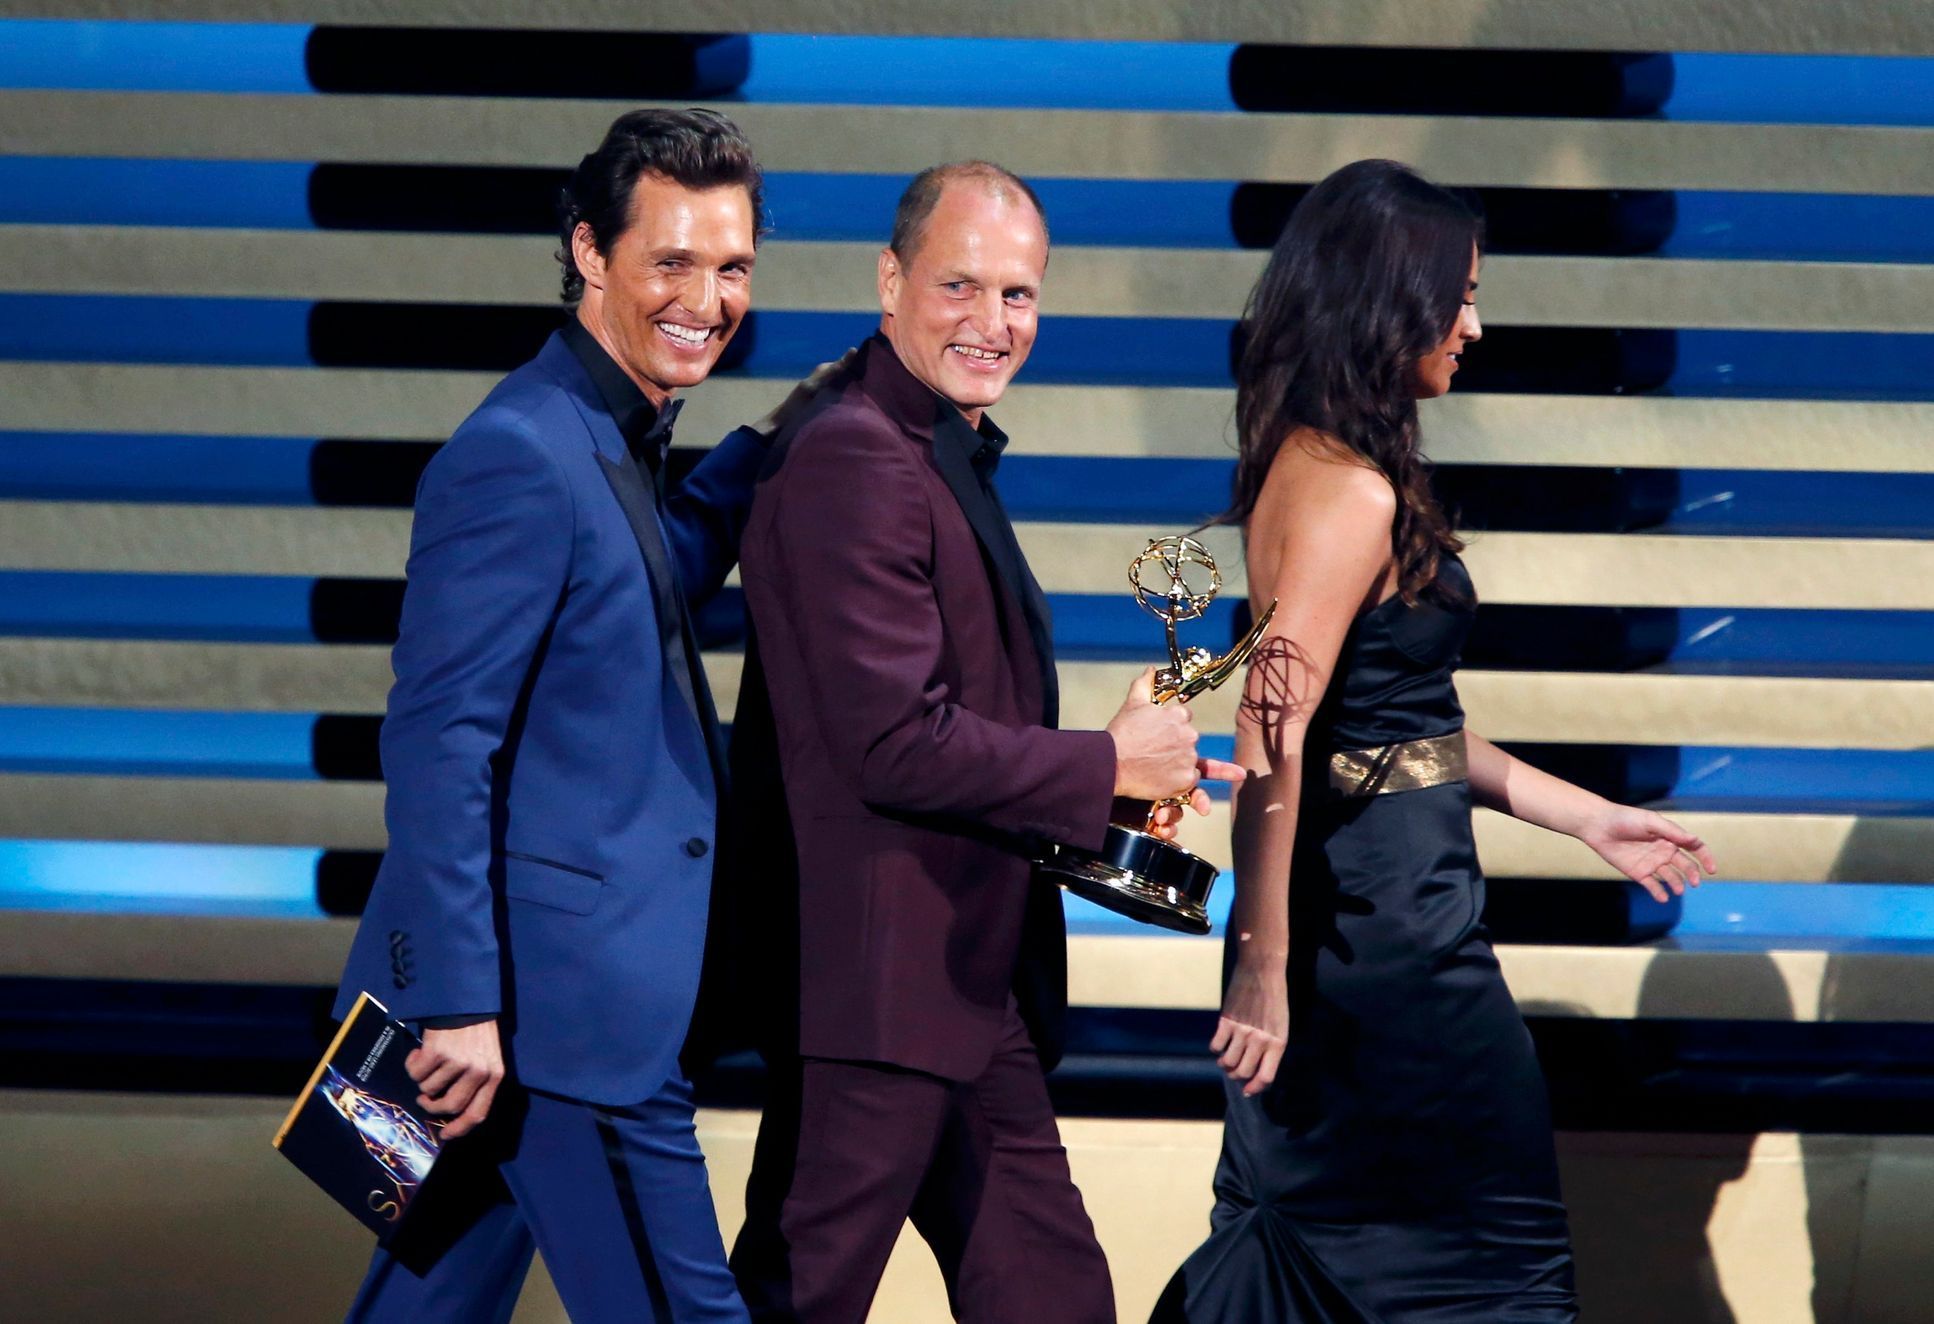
<point x="1641" y="1202"/>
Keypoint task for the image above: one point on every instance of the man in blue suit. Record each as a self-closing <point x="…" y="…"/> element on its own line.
<point x="553" y="764"/>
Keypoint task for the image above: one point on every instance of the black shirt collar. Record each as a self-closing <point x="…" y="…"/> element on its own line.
<point x="647" y="430"/>
<point x="982" y="446"/>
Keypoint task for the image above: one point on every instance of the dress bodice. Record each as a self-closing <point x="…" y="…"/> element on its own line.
<point x="1393" y="677"/>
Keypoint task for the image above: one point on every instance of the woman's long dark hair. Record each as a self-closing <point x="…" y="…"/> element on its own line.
<point x="1368" y="277"/>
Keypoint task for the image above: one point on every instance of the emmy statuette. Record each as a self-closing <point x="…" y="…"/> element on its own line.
<point x="1136" y="873"/>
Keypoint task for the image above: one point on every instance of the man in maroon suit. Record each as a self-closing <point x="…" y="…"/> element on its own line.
<point x="905" y="647"/>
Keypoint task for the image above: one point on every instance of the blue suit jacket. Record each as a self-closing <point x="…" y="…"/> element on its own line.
<point x="551" y="800"/>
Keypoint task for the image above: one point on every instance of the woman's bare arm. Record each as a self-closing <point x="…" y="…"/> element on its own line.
<point x="1320" y="546"/>
<point x="1646" y="847"/>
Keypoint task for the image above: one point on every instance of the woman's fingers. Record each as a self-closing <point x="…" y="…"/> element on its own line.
<point x="1653" y="886"/>
<point x="1215" y="770"/>
<point x="1272" y="1060"/>
<point x="1686" y="841"/>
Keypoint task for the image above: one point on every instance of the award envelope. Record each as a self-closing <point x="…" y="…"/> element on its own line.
<point x="355" y="1129"/>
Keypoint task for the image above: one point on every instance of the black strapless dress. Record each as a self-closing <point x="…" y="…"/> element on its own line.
<point x="1400" y="1170"/>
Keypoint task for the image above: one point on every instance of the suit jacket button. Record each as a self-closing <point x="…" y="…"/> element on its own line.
<point x="696" y="846"/>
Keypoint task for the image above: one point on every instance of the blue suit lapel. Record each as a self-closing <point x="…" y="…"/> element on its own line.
<point x="640" y="509"/>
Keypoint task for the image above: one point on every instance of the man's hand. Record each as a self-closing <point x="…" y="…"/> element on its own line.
<point x="1154" y="744"/>
<point x="802" y="395"/>
<point x="458" y="1072"/>
<point x="1167" y="820"/>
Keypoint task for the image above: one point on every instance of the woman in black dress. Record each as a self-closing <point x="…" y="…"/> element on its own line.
<point x="1387" y="1152"/>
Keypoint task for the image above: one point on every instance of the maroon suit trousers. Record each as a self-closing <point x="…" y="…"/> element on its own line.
<point x="848" y="1151"/>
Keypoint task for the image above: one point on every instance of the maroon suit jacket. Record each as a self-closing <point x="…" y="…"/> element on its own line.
<point x="904" y="647"/>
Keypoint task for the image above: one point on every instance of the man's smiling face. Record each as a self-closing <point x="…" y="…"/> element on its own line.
<point x="675" y="285"/>
<point x="960" y="309"/>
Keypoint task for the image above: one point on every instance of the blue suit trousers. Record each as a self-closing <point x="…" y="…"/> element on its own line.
<point x="615" y="1198"/>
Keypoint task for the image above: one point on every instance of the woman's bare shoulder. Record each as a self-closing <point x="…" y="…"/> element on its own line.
<point x="1315" y="472"/>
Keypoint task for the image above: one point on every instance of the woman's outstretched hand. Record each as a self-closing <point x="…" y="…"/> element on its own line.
<point x="1254" y="1028"/>
<point x="1650" y="849"/>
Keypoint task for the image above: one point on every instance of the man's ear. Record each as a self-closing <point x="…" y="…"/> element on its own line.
<point x="584" y="252"/>
<point x="891" y="279"/>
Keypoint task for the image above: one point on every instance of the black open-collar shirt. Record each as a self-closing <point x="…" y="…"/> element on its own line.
<point x="647" y="430"/>
<point x="983" y="446"/>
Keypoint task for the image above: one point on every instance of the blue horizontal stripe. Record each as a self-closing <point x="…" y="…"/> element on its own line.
<point x="1899" y="912"/>
<point x="152" y="57"/>
<point x="1823" y="778"/>
<point x="1100" y="626"/>
<point x="1802" y="639"/>
<point x="1802" y="89"/>
<point x="1124" y="351"/>
<point x="1165" y="493"/>
<point x="41" y="190"/>
<point x="1803" y="226"/>
<point x="1803" y="364"/>
<point x="125" y="743"/>
<point x="82" y="605"/>
<point x="1100" y="351"/>
<point x="76" y="466"/>
<point x="989" y="71"/>
<point x="944" y="71"/>
<point x="1737" y="502"/>
<point x="156" y="878"/>
<point x="134" y="467"/>
<point x="859" y="208"/>
<point x="1121" y="212"/>
<point x="102" y="328"/>
<point x="1732" y="915"/>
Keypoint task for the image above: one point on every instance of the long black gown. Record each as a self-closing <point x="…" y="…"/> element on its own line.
<point x="1400" y="1170"/>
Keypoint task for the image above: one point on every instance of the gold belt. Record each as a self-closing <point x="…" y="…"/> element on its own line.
<point x="1409" y="765"/>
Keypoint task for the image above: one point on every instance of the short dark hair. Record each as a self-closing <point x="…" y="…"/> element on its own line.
<point x="700" y="149"/>
<point x="923" y="195"/>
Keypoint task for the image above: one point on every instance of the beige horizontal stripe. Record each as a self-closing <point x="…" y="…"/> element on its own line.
<point x="1879" y="27"/>
<point x="219" y="810"/>
<point x="1641" y="432"/>
<point x="1584" y="707"/>
<point x="1158" y="422"/>
<point x="839" y="277"/>
<point x="1769" y="711"/>
<point x="1784" y="982"/>
<point x="173" y="948"/>
<point x="1609" y="569"/>
<point x="1070" y="144"/>
<point x="1639" y="570"/>
<point x="1647" y="570"/>
<point x="1773" y="848"/>
<point x="208" y="540"/>
<point x="115" y="673"/>
<point x="1606" y="708"/>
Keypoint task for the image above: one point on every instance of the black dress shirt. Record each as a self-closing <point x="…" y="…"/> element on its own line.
<point x="647" y="430"/>
<point x="983" y="447"/>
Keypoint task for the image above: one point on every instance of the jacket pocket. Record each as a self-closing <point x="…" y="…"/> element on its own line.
<point x="548" y="883"/>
